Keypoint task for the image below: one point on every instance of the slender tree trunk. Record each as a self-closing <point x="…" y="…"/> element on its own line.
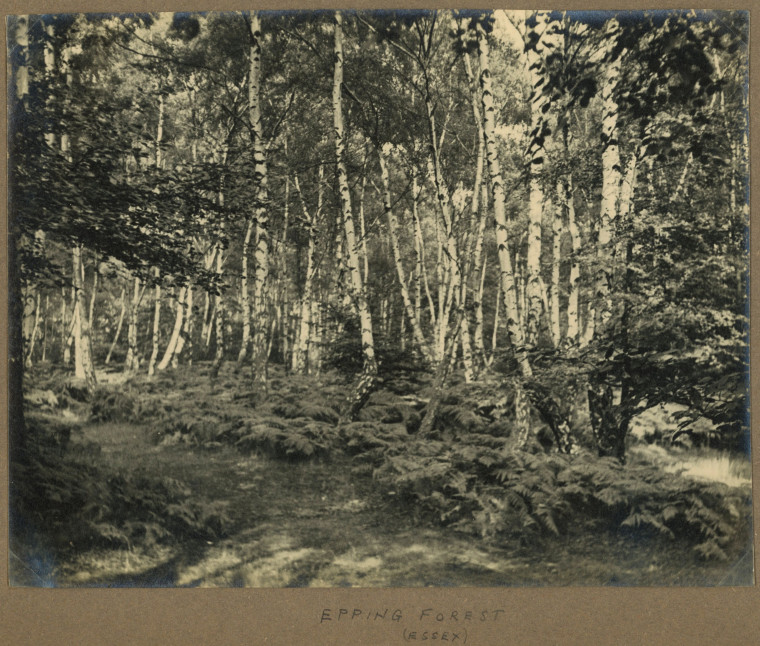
<point x="176" y="330"/>
<point x="84" y="368"/>
<point x="45" y="329"/>
<point x="219" y="316"/>
<point x="478" y="212"/>
<point x="465" y="341"/>
<point x="539" y="103"/>
<point x="478" y="334"/>
<point x="245" y="300"/>
<point x="186" y="336"/>
<point x="448" y="288"/>
<point x="554" y="292"/>
<point x="507" y="285"/>
<point x="287" y="323"/>
<point x="91" y="309"/>
<point x="369" y="373"/>
<point x="417" y="274"/>
<point x="159" y="163"/>
<point x="495" y="333"/>
<point x="315" y="343"/>
<point x="479" y="265"/>
<point x="259" y="352"/>
<point x="363" y="230"/>
<point x="611" y="179"/>
<point x="507" y="281"/>
<point x="35" y="329"/>
<point x="132" y="363"/>
<point x="209" y="324"/>
<point x="69" y="336"/>
<point x="573" y="319"/>
<point x="64" y="326"/>
<point x="420" y="250"/>
<point x="123" y="302"/>
<point x="156" y="323"/>
<point x="206" y="319"/>
<point x="300" y="363"/>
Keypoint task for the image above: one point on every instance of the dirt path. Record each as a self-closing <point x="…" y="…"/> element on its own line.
<point x="320" y="524"/>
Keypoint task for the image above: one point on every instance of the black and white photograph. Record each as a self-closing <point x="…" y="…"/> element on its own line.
<point x="379" y="299"/>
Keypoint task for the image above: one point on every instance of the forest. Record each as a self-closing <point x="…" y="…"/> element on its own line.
<point x="379" y="298"/>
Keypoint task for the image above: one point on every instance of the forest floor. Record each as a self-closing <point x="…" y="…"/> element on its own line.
<point x="317" y="524"/>
<point x="324" y="523"/>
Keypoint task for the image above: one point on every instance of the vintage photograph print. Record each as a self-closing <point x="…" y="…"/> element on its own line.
<point x="379" y="299"/>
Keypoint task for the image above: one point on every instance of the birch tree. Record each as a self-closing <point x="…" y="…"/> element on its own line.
<point x="369" y="371"/>
<point x="259" y="347"/>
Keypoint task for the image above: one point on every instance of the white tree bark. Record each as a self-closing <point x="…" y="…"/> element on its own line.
<point x="156" y="323"/>
<point x="558" y="230"/>
<point x="122" y="311"/>
<point x="367" y="381"/>
<point x="573" y="314"/>
<point x="507" y="283"/>
<point x="507" y="280"/>
<point x="611" y="180"/>
<point x="83" y="366"/>
<point x="259" y="352"/>
<point x="174" y="338"/>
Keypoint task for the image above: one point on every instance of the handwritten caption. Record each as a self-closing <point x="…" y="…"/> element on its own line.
<point x="423" y="624"/>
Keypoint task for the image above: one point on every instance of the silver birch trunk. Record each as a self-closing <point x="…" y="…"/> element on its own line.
<point x="64" y="327"/>
<point x="245" y="299"/>
<point x="35" y="329"/>
<point x="176" y="330"/>
<point x="479" y="212"/>
<point x="495" y="333"/>
<point x="507" y="283"/>
<point x="573" y="319"/>
<point x="369" y="375"/>
<point x="218" y="317"/>
<point x="420" y="250"/>
<point x="558" y="230"/>
<point x="155" y="336"/>
<point x="84" y="368"/>
<point x="536" y="159"/>
<point x="123" y="302"/>
<point x="206" y="319"/>
<point x="69" y="335"/>
<point x="132" y="363"/>
<point x="186" y="336"/>
<point x="300" y="362"/>
<point x="611" y="179"/>
<point x="259" y="351"/>
<point x="478" y="334"/>
<point x="45" y="329"/>
<point x="363" y="230"/>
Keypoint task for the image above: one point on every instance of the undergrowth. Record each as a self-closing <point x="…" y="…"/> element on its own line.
<point x="466" y="474"/>
<point x="480" y="485"/>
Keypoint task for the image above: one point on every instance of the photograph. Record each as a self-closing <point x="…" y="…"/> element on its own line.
<point x="379" y="299"/>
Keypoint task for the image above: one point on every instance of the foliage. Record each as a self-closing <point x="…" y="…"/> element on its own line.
<point x="134" y="140"/>
<point x="481" y="485"/>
